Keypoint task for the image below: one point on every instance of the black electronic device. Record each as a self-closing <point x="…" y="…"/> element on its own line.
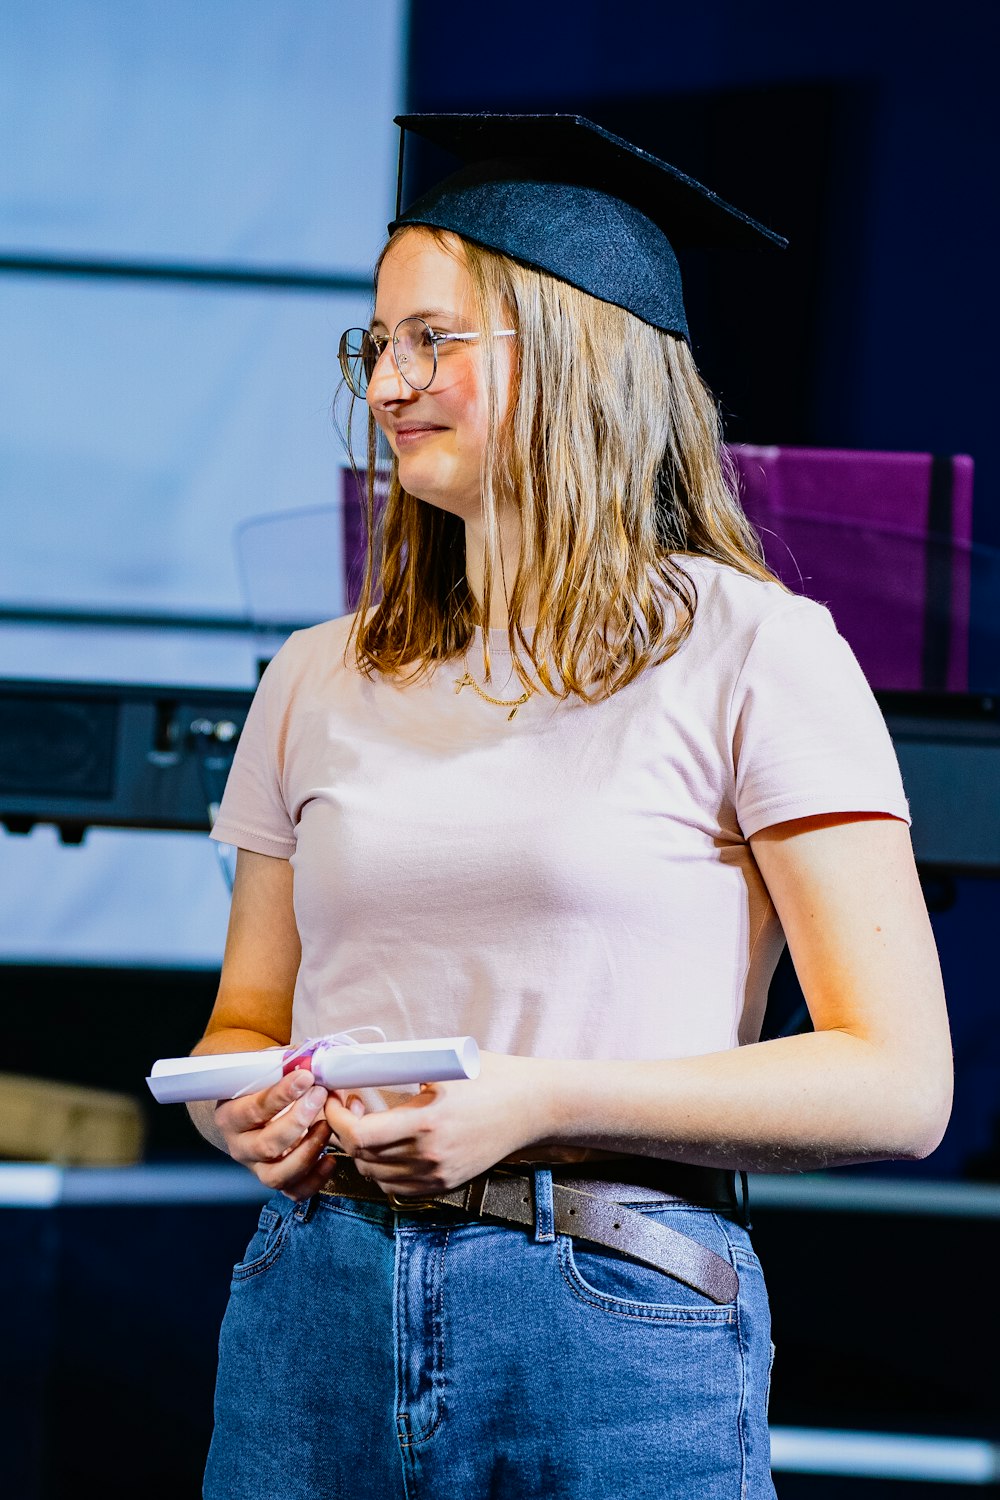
<point x="109" y="755"/>
<point x="948" y="745"/>
<point x="80" y="754"/>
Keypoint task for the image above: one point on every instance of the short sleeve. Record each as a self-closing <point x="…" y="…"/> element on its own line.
<point x="253" y="814"/>
<point x="808" y="735"/>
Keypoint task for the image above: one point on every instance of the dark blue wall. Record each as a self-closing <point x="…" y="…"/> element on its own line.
<point x="867" y="132"/>
<point x="895" y="158"/>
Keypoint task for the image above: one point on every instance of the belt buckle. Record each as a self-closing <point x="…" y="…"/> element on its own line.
<point x="412" y="1205"/>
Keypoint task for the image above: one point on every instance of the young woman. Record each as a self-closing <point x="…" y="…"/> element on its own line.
<point x="567" y="780"/>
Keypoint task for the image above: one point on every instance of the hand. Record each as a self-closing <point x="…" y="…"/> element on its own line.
<point x="280" y="1134"/>
<point x="449" y="1132"/>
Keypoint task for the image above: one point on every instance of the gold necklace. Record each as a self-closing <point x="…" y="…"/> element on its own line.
<point x="512" y="703"/>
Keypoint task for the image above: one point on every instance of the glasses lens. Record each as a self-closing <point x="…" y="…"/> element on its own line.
<point x="413" y="344"/>
<point x="358" y="358"/>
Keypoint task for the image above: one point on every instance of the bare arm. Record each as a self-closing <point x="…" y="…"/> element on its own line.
<point x="874" y="1078"/>
<point x="280" y="1132"/>
<point x="872" y="1081"/>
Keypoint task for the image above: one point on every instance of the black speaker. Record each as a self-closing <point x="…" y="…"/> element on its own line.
<point x="80" y="754"/>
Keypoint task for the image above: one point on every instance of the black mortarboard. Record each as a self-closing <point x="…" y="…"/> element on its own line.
<point x="559" y="193"/>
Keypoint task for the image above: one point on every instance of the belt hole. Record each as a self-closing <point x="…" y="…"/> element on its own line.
<point x="524" y="1200"/>
<point x="572" y="1210"/>
<point x="617" y="1226"/>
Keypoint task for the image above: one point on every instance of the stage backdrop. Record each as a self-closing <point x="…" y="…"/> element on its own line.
<point x="191" y="199"/>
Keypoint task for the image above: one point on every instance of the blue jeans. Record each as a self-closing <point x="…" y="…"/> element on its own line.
<point x="369" y="1355"/>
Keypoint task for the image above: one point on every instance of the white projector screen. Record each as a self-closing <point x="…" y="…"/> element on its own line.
<point x="146" y="418"/>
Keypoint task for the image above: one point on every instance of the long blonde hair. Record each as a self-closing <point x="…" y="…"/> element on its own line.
<point x="611" y="449"/>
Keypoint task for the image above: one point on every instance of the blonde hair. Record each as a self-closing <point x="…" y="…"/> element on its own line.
<point x="611" y="449"/>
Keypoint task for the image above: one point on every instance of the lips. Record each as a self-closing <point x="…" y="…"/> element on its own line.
<point x="412" y="434"/>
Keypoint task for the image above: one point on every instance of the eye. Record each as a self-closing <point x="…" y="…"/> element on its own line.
<point x="371" y="352"/>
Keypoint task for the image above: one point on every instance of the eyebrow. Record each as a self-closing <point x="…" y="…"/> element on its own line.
<point x="426" y="313"/>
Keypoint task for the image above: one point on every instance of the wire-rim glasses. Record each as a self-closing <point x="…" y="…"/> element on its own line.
<point x="415" y="347"/>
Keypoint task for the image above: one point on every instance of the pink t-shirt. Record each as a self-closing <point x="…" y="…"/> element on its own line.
<point x="575" y="882"/>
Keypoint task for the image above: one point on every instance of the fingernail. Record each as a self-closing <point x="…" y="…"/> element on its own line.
<point x="307" y="1109"/>
<point x="301" y="1080"/>
<point x="356" y="1107"/>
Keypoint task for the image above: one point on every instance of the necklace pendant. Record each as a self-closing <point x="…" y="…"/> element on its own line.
<point x="467" y="680"/>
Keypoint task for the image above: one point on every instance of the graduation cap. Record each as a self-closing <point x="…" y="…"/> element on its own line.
<point x="559" y="193"/>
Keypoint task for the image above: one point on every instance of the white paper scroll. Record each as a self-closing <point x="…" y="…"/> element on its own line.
<point x="334" y="1063"/>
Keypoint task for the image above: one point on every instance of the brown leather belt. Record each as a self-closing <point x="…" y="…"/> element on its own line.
<point x="589" y="1203"/>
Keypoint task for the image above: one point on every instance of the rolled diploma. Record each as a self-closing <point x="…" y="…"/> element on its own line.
<point x="223" y="1075"/>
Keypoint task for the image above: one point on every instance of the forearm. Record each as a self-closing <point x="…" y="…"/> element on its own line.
<point x="793" y="1104"/>
<point x="226" y="1039"/>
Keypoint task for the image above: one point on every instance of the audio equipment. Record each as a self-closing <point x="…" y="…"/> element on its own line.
<point x="84" y="754"/>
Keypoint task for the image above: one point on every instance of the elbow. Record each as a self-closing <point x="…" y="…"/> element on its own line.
<point x="906" y="1098"/>
<point x="924" y="1143"/>
<point x="917" y="1148"/>
<point x="925" y="1122"/>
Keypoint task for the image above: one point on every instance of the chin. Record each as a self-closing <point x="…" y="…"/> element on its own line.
<point x="432" y="491"/>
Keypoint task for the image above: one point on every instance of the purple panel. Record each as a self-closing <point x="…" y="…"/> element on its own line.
<point x="853" y="529"/>
<point x="353" y="501"/>
<point x="850" y="529"/>
<point x="960" y="558"/>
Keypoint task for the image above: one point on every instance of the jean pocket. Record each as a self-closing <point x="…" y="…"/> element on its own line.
<point x="611" y="1282"/>
<point x="265" y="1246"/>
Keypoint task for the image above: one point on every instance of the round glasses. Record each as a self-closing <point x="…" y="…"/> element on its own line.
<point x="415" y="347"/>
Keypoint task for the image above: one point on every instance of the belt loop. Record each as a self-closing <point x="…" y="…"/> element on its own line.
<point x="545" y="1227"/>
<point x="744" y="1212"/>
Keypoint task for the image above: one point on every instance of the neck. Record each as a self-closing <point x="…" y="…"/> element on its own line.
<point x="504" y="561"/>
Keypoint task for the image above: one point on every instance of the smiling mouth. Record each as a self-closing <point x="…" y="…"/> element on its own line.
<point x="406" y="435"/>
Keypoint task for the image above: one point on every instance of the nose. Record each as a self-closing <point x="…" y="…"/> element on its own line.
<point x="385" y="384"/>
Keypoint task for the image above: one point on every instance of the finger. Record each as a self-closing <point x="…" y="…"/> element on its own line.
<point x="349" y="1104"/>
<point x="343" y="1125"/>
<point x="256" y="1110"/>
<point x="349" y="1100"/>
<point x="298" y="1164"/>
<point x="399" y="1126"/>
<point x="353" y="1105"/>
<point x="402" y="1178"/>
<point x="311" y="1183"/>
<point x="407" y="1154"/>
<point x="273" y="1141"/>
<point x="284" y="1132"/>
